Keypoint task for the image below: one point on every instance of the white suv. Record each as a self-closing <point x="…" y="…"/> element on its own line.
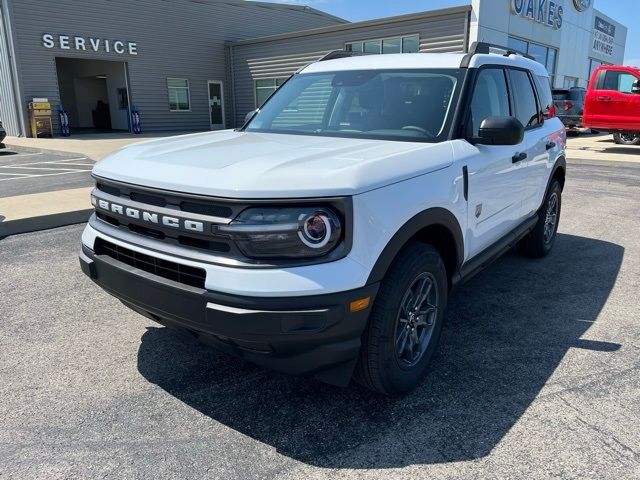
<point x="325" y="235"/>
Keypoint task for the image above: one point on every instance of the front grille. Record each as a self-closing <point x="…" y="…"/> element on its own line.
<point x="182" y="202"/>
<point x="216" y="210"/>
<point x="185" y="274"/>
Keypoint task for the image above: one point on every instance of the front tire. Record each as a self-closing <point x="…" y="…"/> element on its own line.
<point x="405" y="323"/>
<point x="626" y="139"/>
<point x="539" y="241"/>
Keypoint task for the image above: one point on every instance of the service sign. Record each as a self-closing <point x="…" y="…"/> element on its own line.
<point x="545" y="12"/>
<point x="76" y="42"/>
<point x="604" y="34"/>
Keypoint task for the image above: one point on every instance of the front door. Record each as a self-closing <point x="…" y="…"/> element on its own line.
<point x="612" y="104"/>
<point x="624" y="105"/>
<point x="216" y="105"/>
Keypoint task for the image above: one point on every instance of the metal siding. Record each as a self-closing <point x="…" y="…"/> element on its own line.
<point x="283" y="57"/>
<point x="8" y="112"/>
<point x="178" y="38"/>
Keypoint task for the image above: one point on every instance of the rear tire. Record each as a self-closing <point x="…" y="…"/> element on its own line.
<point x="626" y="139"/>
<point x="539" y="241"/>
<point x="405" y="323"/>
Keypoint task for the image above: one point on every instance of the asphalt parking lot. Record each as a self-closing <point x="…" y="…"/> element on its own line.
<point x="25" y="173"/>
<point x="537" y="375"/>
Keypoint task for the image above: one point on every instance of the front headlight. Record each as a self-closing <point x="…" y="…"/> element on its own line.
<point x="305" y="232"/>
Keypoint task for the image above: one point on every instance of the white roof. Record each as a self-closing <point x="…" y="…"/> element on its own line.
<point x="421" y="60"/>
<point x="388" y="61"/>
<point x="511" y="60"/>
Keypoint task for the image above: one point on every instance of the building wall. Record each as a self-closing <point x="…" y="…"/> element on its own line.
<point x="177" y="38"/>
<point x="282" y="56"/>
<point x="493" y="21"/>
<point x="8" y="106"/>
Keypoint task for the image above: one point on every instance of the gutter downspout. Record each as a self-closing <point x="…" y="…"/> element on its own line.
<point x="467" y="32"/>
<point x="233" y="86"/>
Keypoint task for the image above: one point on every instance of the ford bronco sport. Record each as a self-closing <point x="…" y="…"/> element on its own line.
<point x="325" y="235"/>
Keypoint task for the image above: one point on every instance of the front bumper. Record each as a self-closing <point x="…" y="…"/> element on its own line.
<point x="316" y="334"/>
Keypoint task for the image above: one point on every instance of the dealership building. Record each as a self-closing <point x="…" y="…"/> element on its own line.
<point x="204" y="64"/>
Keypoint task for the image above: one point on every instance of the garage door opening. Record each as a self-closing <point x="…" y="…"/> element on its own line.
<point x="95" y="94"/>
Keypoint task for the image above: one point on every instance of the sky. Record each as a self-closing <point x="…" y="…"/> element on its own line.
<point x="355" y="10"/>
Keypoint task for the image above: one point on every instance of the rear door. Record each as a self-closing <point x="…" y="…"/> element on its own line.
<point x="536" y="137"/>
<point x="496" y="181"/>
<point x="546" y="141"/>
<point x="611" y="103"/>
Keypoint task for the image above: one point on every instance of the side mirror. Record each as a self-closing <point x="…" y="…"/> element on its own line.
<point x="635" y="88"/>
<point x="250" y="115"/>
<point x="500" y="131"/>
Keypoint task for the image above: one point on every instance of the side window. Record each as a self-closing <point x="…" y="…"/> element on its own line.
<point x="490" y="98"/>
<point x="620" y="81"/>
<point x="525" y="99"/>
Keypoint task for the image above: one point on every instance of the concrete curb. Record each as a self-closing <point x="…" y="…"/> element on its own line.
<point x="24" y="149"/>
<point x="604" y="163"/>
<point x="44" y="222"/>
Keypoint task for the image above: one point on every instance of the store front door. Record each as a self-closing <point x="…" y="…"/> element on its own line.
<point x="216" y="105"/>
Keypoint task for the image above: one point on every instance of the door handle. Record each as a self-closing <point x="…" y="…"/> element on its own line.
<point x="518" y="157"/>
<point x="604" y="99"/>
<point x="551" y="145"/>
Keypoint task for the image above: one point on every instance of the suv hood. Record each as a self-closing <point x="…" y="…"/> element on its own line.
<point x="266" y="165"/>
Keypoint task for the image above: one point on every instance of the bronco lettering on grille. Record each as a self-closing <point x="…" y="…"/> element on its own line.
<point x="149" y="217"/>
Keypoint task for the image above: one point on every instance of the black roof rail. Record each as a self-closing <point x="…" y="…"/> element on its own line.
<point x="485" y="48"/>
<point x="342" y="54"/>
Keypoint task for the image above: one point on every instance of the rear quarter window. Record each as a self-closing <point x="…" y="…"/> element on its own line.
<point x="525" y="99"/>
<point x="546" y="97"/>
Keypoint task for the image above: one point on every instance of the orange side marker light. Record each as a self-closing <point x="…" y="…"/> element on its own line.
<point x="358" y="305"/>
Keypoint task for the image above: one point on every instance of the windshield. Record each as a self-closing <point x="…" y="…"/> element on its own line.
<point x="409" y="105"/>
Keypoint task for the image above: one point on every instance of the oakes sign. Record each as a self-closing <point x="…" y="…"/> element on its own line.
<point x="546" y="12"/>
<point x="74" y="42"/>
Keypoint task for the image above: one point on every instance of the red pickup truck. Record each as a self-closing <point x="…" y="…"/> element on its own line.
<point x="613" y="103"/>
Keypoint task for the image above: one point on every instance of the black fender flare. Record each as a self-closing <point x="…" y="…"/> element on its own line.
<point x="426" y="218"/>
<point x="561" y="162"/>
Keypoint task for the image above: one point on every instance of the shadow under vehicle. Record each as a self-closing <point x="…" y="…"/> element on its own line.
<point x="508" y="329"/>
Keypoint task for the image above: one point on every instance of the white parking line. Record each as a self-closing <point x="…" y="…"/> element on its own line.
<point x="43" y="175"/>
<point x="42" y="163"/>
<point x="14" y="155"/>
<point x="69" y="159"/>
<point x="18" y="174"/>
<point x="75" y="164"/>
<point x="21" y="167"/>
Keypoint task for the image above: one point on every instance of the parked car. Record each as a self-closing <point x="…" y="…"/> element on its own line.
<point x="569" y="105"/>
<point x="612" y="103"/>
<point x="324" y="237"/>
<point x="3" y="134"/>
